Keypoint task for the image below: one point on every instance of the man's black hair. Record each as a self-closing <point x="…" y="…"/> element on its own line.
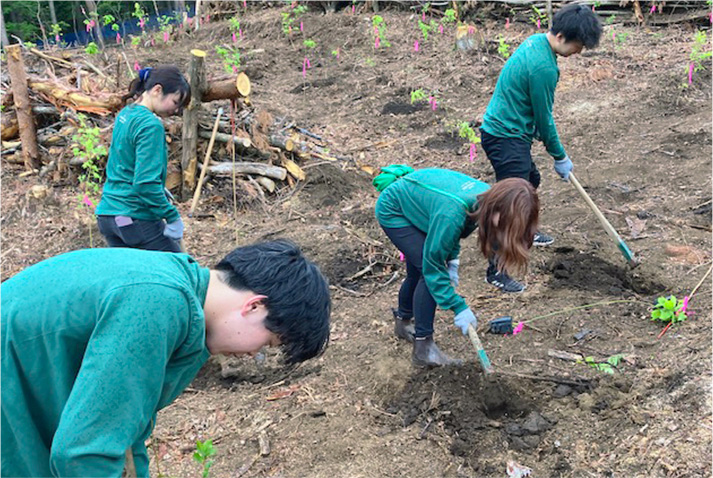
<point x="578" y="23"/>
<point x="298" y="302"/>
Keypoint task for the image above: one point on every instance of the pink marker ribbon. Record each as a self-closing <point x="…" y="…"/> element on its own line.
<point x="402" y="257"/>
<point x="518" y="328"/>
<point x="305" y="66"/>
<point x="690" y="73"/>
<point x="56" y="38"/>
<point x="415" y="45"/>
<point x="302" y="28"/>
<point x="538" y="23"/>
<point x="653" y="9"/>
<point x="473" y="152"/>
<point x="507" y="23"/>
<point x="165" y="37"/>
<point x="137" y="67"/>
<point x="118" y="37"/>
<point x="376" y="40"/>
<point x="432" y="102"/>
<point x="88" y="201"/>
<point x="440" y="29"/>
<point x="142" y="23"/>
<point x="235" y="39"/>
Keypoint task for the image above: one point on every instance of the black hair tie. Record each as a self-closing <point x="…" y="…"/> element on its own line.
<point x="144" y="73"/>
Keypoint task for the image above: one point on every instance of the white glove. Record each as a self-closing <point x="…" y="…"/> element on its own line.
<point x="464" y="318"/>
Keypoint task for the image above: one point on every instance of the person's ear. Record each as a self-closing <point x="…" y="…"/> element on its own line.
<point x="157" y="90"/>
<point x="253" y="304"/>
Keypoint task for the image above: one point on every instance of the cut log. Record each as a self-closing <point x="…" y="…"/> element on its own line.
<point x="226" y="169"/>
<point x="266" y="183"/>
<point x="8" y="125"/>
<point x="240" y="141"/>
<point x="293" y="169"/>
<point x="56" y="93"/>
<point x="229" y="89"/>
<point x="21" y="98"/>
<point x="189" y="159"/>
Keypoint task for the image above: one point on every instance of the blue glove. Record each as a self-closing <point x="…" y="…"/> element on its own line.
<point x="563" y="167"/>
<point x="453" y="271"/>
<point x="174" y="230"/>
<point x="465" y="318"/>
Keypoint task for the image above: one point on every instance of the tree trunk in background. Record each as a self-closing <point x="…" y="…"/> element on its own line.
<point x="180" y="5"/>
<point x="189" y="160"/>
<point x="28" y="133"/>
<point x="92" y="8"/>
<point x="53" y="14"/>
<point x="3" y="39"/>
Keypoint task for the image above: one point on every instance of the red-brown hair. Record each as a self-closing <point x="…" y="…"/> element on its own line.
<point x="507" y="217"/>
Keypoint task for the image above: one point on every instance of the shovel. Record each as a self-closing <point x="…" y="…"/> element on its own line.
<point x="628" y="255"/>
<point x="482" y="356"/>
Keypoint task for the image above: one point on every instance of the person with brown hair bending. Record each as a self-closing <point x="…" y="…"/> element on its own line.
<point x="425" y="214"/>
<point x="135" y="210"/>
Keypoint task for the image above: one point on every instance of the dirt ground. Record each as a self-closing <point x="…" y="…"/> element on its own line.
<point x="641" y="145"/>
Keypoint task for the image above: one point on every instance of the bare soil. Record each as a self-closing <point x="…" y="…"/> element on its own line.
<point x="641" y="145"/>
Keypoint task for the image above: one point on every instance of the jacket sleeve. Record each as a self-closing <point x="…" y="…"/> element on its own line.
<point x="442" y="237"/>
<point x="119" y="384"/>
<point x="149" y="169"/>
<point x="542" y="92"/>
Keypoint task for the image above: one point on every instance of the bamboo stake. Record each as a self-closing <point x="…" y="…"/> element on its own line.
<point x="204" y="171"/>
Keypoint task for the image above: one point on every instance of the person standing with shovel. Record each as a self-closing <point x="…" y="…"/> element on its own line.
<point x="521" y="110"/>
<point x="426" y="214"/>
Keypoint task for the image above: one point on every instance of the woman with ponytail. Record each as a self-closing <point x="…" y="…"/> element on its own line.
<point x="425" y="214"/>
<point x="134" y="210"/>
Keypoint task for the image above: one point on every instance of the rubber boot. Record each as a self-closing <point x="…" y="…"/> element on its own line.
<point x="427" y="354"/>
<point x="403" y="328"/>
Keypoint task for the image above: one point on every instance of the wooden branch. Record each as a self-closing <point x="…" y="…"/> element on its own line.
<point x="21" y="98"/>
<point x="226" y="169"/>
<point x="189" y="158"/>
<point x="59" y="61"/>
<point x="204" y="170"/>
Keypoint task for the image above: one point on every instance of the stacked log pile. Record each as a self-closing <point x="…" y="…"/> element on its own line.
<point x="249" y="142"/>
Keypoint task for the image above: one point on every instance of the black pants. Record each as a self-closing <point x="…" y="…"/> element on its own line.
<point x="139" y="234"/>
<point x="415" y="300"/>
<point x="510" y="157"/>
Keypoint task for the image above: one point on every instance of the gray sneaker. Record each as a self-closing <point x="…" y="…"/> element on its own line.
<point x="502" y="280"/>
<point x="542" y="239"/>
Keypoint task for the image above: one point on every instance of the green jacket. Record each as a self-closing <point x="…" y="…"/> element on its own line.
<point x="136" y="170"/>
<point x="94" y="343"/>
<point x="434" y="201"/>
<point x="521" y="106"/>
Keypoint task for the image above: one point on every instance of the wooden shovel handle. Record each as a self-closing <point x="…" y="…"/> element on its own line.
<point x="606" y="224"/>
<point x="197" y="194"/>
<point x="482" y="356"/>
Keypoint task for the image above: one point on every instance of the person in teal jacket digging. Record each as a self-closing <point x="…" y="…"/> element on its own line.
<point x="521" y="109"/>
<point x="96" y="341"/>
<point x="135" y="210"/>
<point x="426" y="214"/>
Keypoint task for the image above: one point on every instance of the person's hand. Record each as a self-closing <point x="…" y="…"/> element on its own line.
<point x="464" y="318"/>
<point x="174" y="230"/>
<point x="563" y="167"/>
<point x="453" y="271"/>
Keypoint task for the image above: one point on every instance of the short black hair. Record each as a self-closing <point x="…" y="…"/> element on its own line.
<point x="298" y="302"/>
<point x="578" y="23"/>
<point x="168" y="76"/>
